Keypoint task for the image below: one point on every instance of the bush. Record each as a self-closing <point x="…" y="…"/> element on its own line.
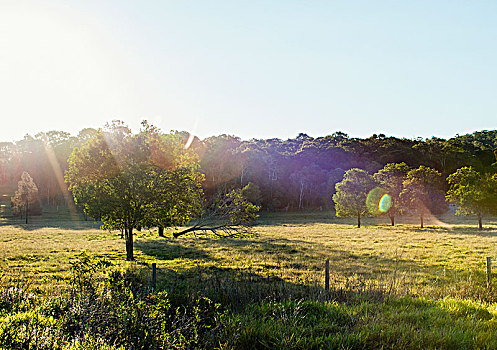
<point x="105" y="310"/>
<point x="29" y="330"/>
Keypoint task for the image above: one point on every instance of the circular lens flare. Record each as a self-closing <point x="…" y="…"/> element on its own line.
<point x="385" y="203"/>
<point x="378" y="201"/>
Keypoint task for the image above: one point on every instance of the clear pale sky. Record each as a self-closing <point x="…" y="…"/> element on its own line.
<point x="250" y="68"/>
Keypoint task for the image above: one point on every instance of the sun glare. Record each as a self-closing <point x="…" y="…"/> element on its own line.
<point x="52" y="63"/>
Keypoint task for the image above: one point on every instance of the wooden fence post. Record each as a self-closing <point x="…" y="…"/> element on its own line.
<point x="327" y="275"/>
<point x="154" y="276"/>
<point x="489" y="270"/>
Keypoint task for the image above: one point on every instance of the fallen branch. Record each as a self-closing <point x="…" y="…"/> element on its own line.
<point x="230" y="216"/>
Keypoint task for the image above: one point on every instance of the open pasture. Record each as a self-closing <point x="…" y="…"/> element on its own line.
<point x="390" y="287"/>
<point x="446" y="258"/>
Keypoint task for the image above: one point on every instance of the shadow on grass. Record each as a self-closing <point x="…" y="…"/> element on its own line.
<point x="46" y="223"/>
<point x="285" y="260"/>
<point x="458" y="230"/>
<point x="288" y="251"/>
<point x="52" y="217"/>
<point x="235" y="288"/>
<point x="168" y="249"/>
<point x="296" y="218"/>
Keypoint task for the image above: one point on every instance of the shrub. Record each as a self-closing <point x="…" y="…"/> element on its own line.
<point x="105" y="310"/>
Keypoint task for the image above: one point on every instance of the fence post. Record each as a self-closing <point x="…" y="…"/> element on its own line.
<point x="154" y="276"/>
<point x="489" y="270"/>
<point x="327" y="275"/>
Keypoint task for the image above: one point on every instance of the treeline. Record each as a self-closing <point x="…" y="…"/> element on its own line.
<point x="294" y="174"/>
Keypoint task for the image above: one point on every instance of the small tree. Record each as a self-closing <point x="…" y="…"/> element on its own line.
<point x="422" y="193"/>
<point x="474" y="193"/>
<point x="26" y="195"/>
<point x="391" y="179"/>
<point x="351" y="194"/>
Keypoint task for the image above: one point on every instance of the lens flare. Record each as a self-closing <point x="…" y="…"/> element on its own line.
<point x="385" y="203"/>
<point x="378" y="201"/>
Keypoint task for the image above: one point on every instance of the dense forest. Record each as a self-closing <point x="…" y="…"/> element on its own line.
<point x="294" y="174"/>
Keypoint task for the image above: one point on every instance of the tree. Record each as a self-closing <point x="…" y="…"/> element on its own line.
<point x="130" y="181"/>
<point x="351" y="194"/>
<point x="309" y="181"/>
<point x="218" y="162"/>
<point x="391" y="179"/>
<point x="474" y="193"/>
<point x="423" y="193"/>
<point x="252" y="193"/>
<point x="178" y="198"/>
<point x="26" y="195"/>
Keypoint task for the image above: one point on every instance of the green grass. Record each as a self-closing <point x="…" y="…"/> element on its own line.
<point x="436" y="261"/>
<point x="391" y="287"/>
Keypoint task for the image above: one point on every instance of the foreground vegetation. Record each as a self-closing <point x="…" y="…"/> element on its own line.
<point x="392" y="287"/>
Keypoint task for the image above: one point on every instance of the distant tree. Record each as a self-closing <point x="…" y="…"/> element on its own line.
<point x="218" y="163"/>
<point x="474" y="193"/>
<point x="334" y="177"/>
<point x="351" y="194"/>
<point x="423" y="192"/>
<point x="26" y="195"/>
<point x="85" y="135"/>
<point x="252" y="193"/>
<point x="391" y="179"/>
<point x="309" y="183"/>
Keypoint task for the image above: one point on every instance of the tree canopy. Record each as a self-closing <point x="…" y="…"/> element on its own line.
<point x="423" y="193"/>
<point x="391" y="180"/>
<point x="294" y="174"/>
<point x="351" y="194"/>
<point x="133" y="180"/>
<point x="473" y="192"/>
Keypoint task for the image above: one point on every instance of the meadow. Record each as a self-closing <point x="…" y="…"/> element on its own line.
<point x="391" y="287"/>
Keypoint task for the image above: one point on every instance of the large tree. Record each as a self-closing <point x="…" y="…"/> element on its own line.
<point x="423" y="192"/>
<point x="351" y="194"/>
<point x="391" y="179"/>
<point x="132" y="180"/>
<point x="474" y="193"/>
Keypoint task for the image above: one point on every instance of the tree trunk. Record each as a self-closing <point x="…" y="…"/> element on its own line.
<point x="392" y="220"/>
<point x="421" y="221"/>
<point x="358" y="220"/>
<point x="161" y="231"/>
<point x="129" y="243"/>
<point x="27" y="210"/>
<point x="480" y="225"/>
<point x="301" y="194"/>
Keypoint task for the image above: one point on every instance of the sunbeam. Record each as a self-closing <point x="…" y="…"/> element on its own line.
<point x="59" y="176"/>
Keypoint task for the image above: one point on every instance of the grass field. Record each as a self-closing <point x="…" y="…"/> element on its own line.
<point x="394" y="287"/>
<point x="292" y="246"/>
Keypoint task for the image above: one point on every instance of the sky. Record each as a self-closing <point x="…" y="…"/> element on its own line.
<point x="252" y="68"/>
